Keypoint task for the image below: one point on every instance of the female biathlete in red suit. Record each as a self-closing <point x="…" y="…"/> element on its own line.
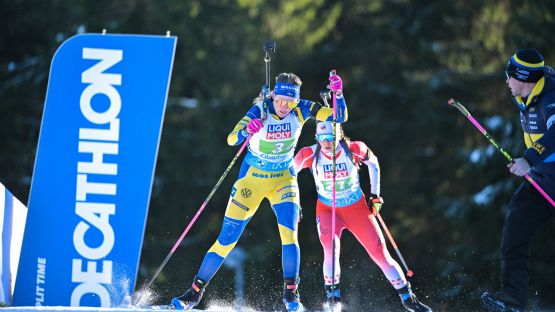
<point x="352" y="211"/>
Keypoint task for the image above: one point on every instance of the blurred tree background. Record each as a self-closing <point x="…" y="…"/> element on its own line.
<point x="446" y="189"/>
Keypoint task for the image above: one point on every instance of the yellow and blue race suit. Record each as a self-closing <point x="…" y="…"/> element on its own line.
<point x="267" y="172"/>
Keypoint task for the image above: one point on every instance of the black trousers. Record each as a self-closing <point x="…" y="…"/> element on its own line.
<point x="528" y="212"/>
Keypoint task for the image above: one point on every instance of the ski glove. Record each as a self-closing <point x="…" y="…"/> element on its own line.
<point x="336" y="84"/>
<point x="375" y="202"/>
<point x="254" y="126"/>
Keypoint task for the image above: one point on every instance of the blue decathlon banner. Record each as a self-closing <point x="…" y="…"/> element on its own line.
<point x="93" y="170"/>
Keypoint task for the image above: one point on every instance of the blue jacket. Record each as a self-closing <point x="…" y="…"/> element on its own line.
<point x="537" y="117"/>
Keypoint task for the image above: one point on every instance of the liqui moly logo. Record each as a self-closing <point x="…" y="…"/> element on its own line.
<point x="340" y="171"/>
<point x="277" y="132"/>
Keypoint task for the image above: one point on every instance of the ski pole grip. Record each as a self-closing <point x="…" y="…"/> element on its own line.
<point x="459" y="106"/>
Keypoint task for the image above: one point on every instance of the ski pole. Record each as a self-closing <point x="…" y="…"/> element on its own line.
<point x="195" y="217"/>
<point x="465" y="112"/>
<point x="268" y="47"/>
<point x="409" y="272"/>
<point x="333" y="190"/>
<point x="325" y="95"/>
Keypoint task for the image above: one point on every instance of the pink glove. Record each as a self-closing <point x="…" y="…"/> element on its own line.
<point x="254" y="126"/>
<point x="336" y="84"/>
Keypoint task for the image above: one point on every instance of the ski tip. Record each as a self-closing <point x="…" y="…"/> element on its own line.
<point x="451" y="101"/>
<point x="410" y="273"/>
<point x="153" y="307"/>
<point x="163" y="307"/>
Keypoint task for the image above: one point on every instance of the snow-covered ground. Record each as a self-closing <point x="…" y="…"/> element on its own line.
<point x="73" y="309"/>
<point x="212" y="308"/>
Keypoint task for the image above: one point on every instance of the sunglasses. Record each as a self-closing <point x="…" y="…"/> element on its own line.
<point x="290" y="104"/>
<point x="325" y="137"/>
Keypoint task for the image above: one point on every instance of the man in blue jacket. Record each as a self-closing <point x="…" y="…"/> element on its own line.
<point x="532" y="85"/>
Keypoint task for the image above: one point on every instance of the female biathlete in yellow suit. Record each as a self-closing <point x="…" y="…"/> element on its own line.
<point x="267" y="172"/>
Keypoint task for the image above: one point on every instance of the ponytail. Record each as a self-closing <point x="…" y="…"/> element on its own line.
<point x="316" y="157"/>
<point x="346" y="143"/>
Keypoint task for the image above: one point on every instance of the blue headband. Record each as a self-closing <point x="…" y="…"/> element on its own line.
<point x="287" y="89"/>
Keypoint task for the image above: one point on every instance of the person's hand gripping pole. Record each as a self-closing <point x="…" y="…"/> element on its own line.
<point x="465" y="112"/>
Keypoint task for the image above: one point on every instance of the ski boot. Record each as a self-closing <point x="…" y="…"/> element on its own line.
<point x="410" y="302"/>
<point x="333" y="298"/>
<point x="291" y="297"/>
<point x="192" y="297"/>
<point x="500" y="302"/>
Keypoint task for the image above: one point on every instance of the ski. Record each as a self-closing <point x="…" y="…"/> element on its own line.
<point x="333" y="307"/>
<point x="154" y="307"/>
<point x="162" y="307"/>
